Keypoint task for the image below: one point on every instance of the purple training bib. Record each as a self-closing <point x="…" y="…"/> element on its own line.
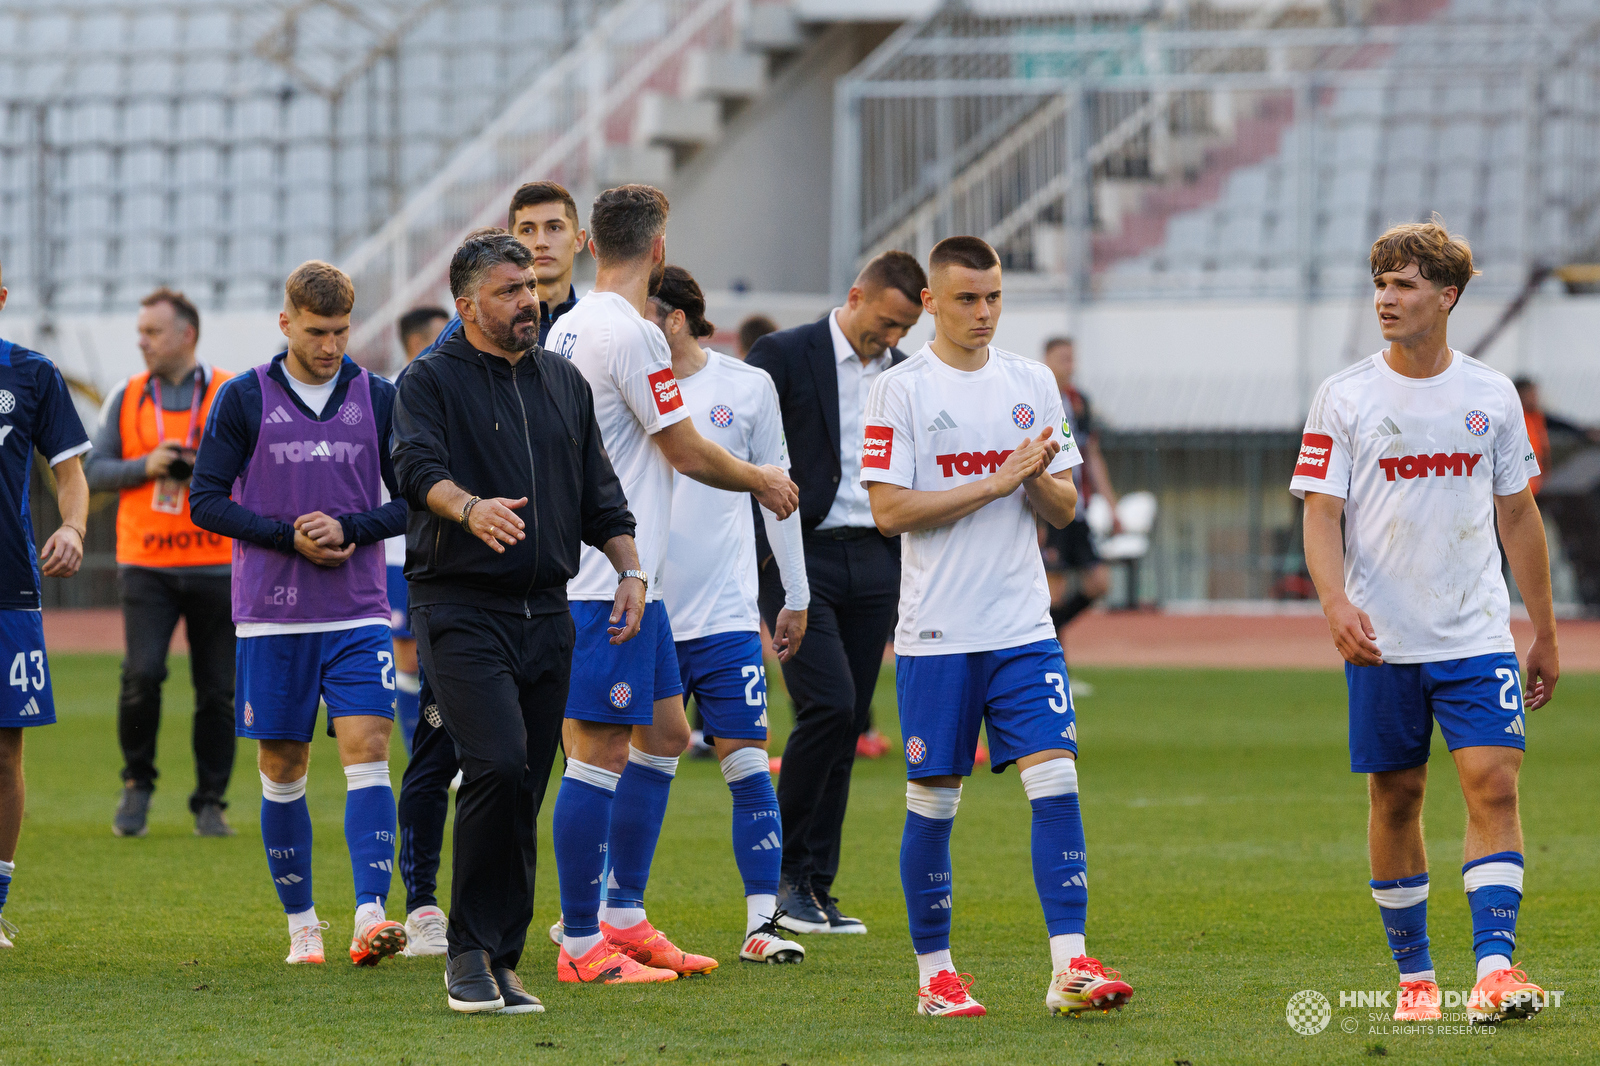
<point x="301" y="465"/>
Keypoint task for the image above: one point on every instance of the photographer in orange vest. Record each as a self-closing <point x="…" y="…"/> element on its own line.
<point x="150" y="428"/>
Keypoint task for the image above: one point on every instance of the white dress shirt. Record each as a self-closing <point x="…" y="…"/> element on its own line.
<point x="851" y="506"/>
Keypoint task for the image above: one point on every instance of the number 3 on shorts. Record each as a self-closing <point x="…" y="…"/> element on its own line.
<point x="1059" y="683"/>
<point x="1508" y="698"/>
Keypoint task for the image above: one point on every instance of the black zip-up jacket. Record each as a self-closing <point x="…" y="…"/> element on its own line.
<point x="511" y="431"/>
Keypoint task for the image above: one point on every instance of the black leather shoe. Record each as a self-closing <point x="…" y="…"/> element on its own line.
<point x="838" y="923"/>
<point x="470" y="986"/>
<point x="803" y="912"/>
<point x="518" y="999"/>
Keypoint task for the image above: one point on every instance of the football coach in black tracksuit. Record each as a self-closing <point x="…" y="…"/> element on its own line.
<point x="496" y="451"/>
<point x="823" y="373"/>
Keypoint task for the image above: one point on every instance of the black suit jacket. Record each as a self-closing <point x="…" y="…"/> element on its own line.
<point x="803" y="367"/>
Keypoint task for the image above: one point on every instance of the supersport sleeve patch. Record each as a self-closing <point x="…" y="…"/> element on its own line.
<point x="877" y="448"/>
<point x="1315" y="449"/>
<point x="664" y="390"/>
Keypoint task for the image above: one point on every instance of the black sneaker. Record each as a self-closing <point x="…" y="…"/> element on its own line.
<point x="469" y="984"/>
<point x="838" y="923"/>
<point x="133" y="812"/>
<point x="518" y="999"/>
<point x="210" y="822"/>
<point x="800" y="911"/>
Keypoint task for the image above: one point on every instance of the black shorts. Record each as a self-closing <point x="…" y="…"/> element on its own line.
<point x="1069" y="548"/>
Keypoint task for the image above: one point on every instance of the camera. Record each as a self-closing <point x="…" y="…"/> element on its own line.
<point x="181" y="468"/>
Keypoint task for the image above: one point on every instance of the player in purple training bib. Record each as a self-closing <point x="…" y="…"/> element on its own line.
<point x="293" y="466"/>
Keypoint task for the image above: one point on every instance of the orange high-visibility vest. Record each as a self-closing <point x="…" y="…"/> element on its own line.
<point x="1539" y="437"/>
<point x="146" y="536"/>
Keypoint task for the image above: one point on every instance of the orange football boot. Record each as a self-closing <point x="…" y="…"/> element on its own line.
<point x="604" y="964"/>
<point x="644" y="944"/>
<point x="1418" y="1002"/>
<point x="1504" y="994"/>
<point x="376" y="941"/>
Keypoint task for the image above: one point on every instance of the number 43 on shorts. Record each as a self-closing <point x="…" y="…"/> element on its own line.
<point x="20" y="674"/>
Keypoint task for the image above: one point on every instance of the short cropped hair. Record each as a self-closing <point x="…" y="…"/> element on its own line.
<point x="480" y="253"/>
<point x="625" y="221"/>
<point x="973" y="253"/>
<point x="416" y="320"/>
<point x="679" y="291"/>
<point x="541" y="192"/>
<point x="182" y="307"/>
<point x="321" y="288"/>
<point x="753" y="329"/>
<point x="895" y="270"/>
<point x="1056" y="342"/>
<point x="1443" y="259"/>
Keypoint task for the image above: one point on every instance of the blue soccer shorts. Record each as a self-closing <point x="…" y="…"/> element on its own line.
<point x="399" y="616"/>
<point x="281" y="679"/>
<point x="944" y="699"/>
<point x="620" y="683"/>
<point x="1477" y="703"/>
<point x="29" y="699"/>
<point x="725" y="675"/>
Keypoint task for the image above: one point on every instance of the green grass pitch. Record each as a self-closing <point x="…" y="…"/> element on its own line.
<point x="1226" y="852"/>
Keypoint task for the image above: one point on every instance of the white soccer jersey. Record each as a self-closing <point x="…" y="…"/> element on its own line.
<point x="629" y="366"/>
<point x="1418" y="462"/>
<point x="711" y="555"/>
<point x="977" y="584"/>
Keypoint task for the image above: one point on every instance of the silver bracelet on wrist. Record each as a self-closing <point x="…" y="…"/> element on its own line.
<point x="467" y="508"/>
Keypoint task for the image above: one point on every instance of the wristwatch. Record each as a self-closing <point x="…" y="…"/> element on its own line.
<point x="640" y="574"/>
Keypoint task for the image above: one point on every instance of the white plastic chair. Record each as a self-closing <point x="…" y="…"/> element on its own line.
<point x="1137" y="513"/>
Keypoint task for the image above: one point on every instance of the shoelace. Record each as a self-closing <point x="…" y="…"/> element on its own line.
<point x="303" y="936"/>
<point x="7" y="928"/>
<point x="951" y="987"/>
<point x="770" y="926"/>
<point x="1084" y="964"/>
<point x="431" y="925"/>
<point x="1515" y="973"/>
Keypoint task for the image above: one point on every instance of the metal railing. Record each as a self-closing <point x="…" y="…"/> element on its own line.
<point x="566" y="126"/>
<point x="1102" y="159"/>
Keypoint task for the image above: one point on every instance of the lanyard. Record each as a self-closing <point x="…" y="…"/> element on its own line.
<point x="190" y="438"/>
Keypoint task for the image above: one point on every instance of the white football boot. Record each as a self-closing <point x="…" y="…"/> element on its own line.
<point x="426" y="932"/>
<point x="305" y="946"/>
<point x="766" y="943"/>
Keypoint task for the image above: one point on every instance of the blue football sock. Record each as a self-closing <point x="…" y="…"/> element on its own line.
<point x="641" y="806"/>
<point x="757" y="826"/>
<point x="407" y="704"/>
<point x="286" y="834"/>
<point x="1494" y="894"/>
<point x="369" y="829"/>
<point x="6" y="869"/>
<point x="925" y="864"/>
<point x="1060" y="860"/>
<point x="580" y="828"/>
<point x="1403" y="905"/>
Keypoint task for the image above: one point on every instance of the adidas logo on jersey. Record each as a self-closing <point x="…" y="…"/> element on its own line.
<point x="944" y="421"/>
<point x="289" y="879"/>
<point x="1516" y="726"/>
<point x="386" y="865"/>
<point x="1437" y="464"/>
<point x="30" y="708"/>
<point x="1079" y="879"/>
<point x="942" y="905"/>
<point x="768" y="842"/>
<point x="279" y="415"/>
<point x="1386" y="428"/>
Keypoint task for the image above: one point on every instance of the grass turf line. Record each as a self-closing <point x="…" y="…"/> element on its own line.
<point x="1226" y="851"/>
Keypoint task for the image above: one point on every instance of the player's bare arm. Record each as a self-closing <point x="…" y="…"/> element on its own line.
<point x="628" y="605"/>
<point x="1522" y="537"/>
<point x="711" y="464"/>
<point x="62" y="554"/>
<point x="493" y="521"/>
<point x="1054" y="497"/>
<point x="1352" y="630"/>
<point x="898" y="510"/>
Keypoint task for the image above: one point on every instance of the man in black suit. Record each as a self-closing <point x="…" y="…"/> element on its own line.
<point x="823" y="373"/>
